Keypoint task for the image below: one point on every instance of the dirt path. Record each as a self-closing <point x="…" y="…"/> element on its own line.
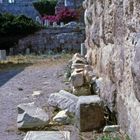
<point x="17" y="87"/>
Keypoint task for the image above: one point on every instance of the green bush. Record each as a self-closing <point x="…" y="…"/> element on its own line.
<point x="16" y="25"/>
<point x="45" y="7"/>
<point x="12" y="28"/>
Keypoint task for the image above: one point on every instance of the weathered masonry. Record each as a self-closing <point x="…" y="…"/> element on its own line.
<point x="113" y="42"/>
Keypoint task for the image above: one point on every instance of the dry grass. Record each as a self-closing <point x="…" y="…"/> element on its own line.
<point x="21" y="61"/>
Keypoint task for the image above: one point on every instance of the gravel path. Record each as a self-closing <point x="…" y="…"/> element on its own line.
<point x="17" y="86"/>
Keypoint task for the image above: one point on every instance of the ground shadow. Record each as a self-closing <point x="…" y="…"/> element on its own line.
<point x="9" y="70"/>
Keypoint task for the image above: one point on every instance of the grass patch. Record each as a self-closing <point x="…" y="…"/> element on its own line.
<point x="21" y="61"/>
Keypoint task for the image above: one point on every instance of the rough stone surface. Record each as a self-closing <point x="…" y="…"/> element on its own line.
<point x="63" y="100"/>
<point x="81" y="75"/>
<point x="30" y="116"/>
<point x="113" y="41"/>
<point x="54" y="39"/>
<point x="47" y="135"/>
<point x="77" y="78"/>
<point x="89" y="113"/>
<point x="77" y="58"/>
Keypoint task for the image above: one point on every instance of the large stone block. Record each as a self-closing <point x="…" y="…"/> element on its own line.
<point x="47" y="135"/>
<point x="30" y="116"/>
<point x="89" y="113"/>
<point x="63" y="100"/>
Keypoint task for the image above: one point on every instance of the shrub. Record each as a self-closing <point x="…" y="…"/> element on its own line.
<point x="16" y="25"/>
<point x="12" y="28"/>
<point x="65" y="15"/>
<point x="45" y="7"/>
<point x="50" y="18"/>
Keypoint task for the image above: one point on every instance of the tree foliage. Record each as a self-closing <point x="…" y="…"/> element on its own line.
<point x="45" y="6"/>
<point x="16" y="25"/>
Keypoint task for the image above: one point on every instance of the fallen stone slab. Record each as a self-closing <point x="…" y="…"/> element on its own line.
<point x="89" y="113"/>
<point x="47" y="135"/>
<point x="63" y="100"/>
<point x="30" y="116"/>
<point x="111" y="128"/>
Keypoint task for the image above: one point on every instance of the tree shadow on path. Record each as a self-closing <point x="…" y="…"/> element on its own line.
<point x="9" y="70"/>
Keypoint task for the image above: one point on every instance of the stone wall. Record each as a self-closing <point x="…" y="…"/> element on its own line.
<point x="53" y="38"/>
<point x="113" y="43"/>
<point x="19" y="8"/>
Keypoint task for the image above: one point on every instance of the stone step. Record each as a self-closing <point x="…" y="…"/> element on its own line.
<point x="47" y="135"/>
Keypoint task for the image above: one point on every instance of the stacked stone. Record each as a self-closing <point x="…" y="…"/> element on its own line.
<point x="81" y="76"/>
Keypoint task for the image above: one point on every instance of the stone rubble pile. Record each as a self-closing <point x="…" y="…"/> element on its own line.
<point x="83" y="78"/>
<point x="87" y="112"/>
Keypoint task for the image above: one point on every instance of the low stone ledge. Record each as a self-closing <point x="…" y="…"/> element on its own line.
<point x="47" y="135"/>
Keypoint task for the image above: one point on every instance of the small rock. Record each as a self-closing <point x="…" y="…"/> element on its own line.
<point x="20" y="89"/>
<point x="46" y="83"/>
<point x="44" y="76"/>
<point x="61" y="117"/>
<point x="77" y="78"/>
<point x="63" y="100"/>
<point x="111" y="128"/>
<point x="36" y="93"/>
<point x="77" y="58"/>
<point x="80" y="60"/>
<point x="47" y="135"/>
<point x="30" y="116"/>
<point x="77" y="66"/>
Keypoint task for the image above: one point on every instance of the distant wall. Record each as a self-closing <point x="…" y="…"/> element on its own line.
<point x="19" y="7"/>
<point x="55" y="39"/>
